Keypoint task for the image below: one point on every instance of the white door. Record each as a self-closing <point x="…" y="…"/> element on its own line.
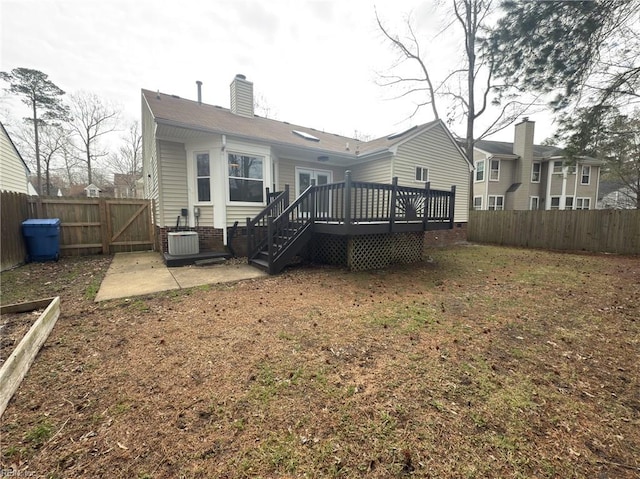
<point x="304" y="177"/>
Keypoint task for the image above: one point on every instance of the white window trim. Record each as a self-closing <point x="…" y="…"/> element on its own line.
<point x="551" y="207"/>
<point x="481" y="203"/>
<point x="495" y="203"/>
<point x="491" y="169"/>
<point x="194" y="176"/>
<point x="227" y="178"/>
<point x="582" y="175"/>
<point x="582" y="199"/>
<point x="484" y="171"/>
<point x="573" y="202"/>
<point x="531" y="198"/>
<point x="539" y="171"/>
<point x="553" y="167"/>
<point x="416" y="171"/>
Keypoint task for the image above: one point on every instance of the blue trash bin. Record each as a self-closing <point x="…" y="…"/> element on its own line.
<point x="42" y="237"/>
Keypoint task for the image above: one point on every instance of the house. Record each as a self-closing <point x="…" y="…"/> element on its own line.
<point x="207" y="167"/>
<point x="525" y="176"/>
<point x="14" y="172"/>
<point x="92" y="191"/>
<point x="127" y="185"/>
<point x="616" y="195"/>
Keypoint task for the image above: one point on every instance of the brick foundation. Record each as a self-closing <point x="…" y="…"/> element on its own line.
<point x="446" y="237"/>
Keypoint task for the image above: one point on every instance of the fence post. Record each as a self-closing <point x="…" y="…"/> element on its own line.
<point x="347" y="201"/>
<point x="427" y="204"/>
<point x="452" y="205"/>
<point x="394" y="198"/>
<point x="104" y="226"/>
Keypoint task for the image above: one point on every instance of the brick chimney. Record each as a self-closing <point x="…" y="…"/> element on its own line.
<point x="242" y="96"/>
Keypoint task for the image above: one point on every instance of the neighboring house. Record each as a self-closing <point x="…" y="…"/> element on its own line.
<point x="127" y="185"/>
<point x="214" y="164"/>
<point x="616" y="195"/>
<point x="14" y="172"/>
<point x="524" y="176"/>
<point x="92" y="191"/>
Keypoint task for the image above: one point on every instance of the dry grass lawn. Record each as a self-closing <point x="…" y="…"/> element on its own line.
<point x="480" y="362"/>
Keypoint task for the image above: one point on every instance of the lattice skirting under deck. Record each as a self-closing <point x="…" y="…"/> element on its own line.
<point x="367" y="252"/>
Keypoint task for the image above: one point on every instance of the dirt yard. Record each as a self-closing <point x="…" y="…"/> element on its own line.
<point x="480" y="362"/>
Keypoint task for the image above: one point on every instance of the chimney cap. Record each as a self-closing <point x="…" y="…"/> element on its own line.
<point x="198" y="82"/>
<point x="240" y="76"/>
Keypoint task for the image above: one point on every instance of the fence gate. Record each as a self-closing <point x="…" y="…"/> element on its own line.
<point x="98" y="225"/>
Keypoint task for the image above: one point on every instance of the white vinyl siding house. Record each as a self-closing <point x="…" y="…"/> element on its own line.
<point x="13" y="171"/>
<point x="226" y="189"/>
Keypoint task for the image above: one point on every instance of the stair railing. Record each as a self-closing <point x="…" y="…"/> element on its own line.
<point x="257" y="227"/>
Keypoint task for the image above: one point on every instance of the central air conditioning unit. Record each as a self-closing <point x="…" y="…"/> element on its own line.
<point x="183" y="243"/>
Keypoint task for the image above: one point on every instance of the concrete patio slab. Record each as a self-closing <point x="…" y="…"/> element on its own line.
<point x="137" y="274"/>
<point x="190" y="276"/>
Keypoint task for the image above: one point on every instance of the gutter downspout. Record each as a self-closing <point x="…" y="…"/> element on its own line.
<point x="547" y="202"/>
<point x="223" y="176"/>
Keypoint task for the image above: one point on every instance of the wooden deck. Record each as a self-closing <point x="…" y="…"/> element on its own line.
<point x="348" y="208"/>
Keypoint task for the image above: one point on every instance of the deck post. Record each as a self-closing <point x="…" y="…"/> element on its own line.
<point x="392" y="206"/>
<point x="286" y="198"/>
<point x="452" y="203"/>
<point x="268" y="197"/>
<point x="270" y="235"/>
<point x="347" y="201"/>
<point x="427" y="204"/>
<point x="249" y="236"/>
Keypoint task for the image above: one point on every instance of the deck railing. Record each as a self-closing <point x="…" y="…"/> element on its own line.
<point x="347" y="206"/>
<point x="257" y="227"/>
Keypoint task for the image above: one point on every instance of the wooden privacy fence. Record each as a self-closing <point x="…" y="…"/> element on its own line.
<point x="98" y="225"/>
<point x="611" y="231"/>
<point x="14" y="210"/>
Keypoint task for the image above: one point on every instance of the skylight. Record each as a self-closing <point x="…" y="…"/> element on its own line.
<point x="305" y="135"/>
<point x="401" y="133"/>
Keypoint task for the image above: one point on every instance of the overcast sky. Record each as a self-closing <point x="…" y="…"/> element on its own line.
<point x="313" y="63"/>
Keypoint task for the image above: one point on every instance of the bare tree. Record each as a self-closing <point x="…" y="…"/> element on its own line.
<point x="91" y="120"/>
<point x="471" y="88"/>
<point x="126" y="162"/>
<point x="53" y="140"/>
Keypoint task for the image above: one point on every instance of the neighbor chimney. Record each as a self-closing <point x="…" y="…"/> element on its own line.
<point x="523" y="147"/>
<point x="242" y="96"/>
<point x="199" y="83"/>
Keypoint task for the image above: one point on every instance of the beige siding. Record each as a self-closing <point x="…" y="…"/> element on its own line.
<point x="173" y="178"/>
<point x="376" y="171"/>
<point x="506" y="178"/>
<point x="13" y="176"/>
<point x="590" y="190"/>
<point x="435" y="150"/>
<point x="241" y="213"/>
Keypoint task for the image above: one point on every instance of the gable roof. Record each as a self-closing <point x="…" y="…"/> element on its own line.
<point x="505" y="148"/>
<point x="174" y="111"/>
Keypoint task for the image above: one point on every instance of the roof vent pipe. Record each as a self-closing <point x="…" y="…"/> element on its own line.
<point x="199" y="83"/>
